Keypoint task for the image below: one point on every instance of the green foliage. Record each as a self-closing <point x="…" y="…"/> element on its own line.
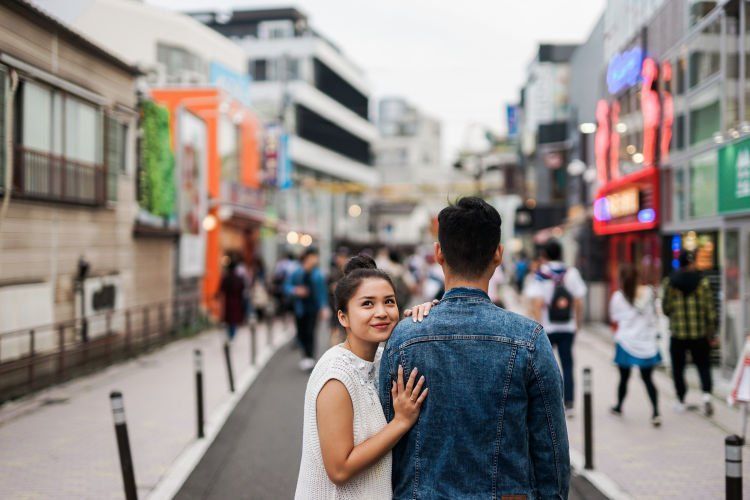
<point x="157" y="192"/>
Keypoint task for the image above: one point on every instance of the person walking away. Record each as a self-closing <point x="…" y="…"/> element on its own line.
<point x="282" y="270"/>
<point x="688" y="301"/>
<point x="633" y="309"/>
<point x="522" y="270"/>
<point x="494" y="424"/>
<point x="307" y="288"/>
<point x="232" y="292"/>
<point x="556" y="294"/>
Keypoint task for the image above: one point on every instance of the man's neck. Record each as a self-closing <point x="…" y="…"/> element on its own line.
<point x="461" y="282"/>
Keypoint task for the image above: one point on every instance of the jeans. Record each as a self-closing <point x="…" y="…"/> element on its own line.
<point x="700" y="352"/>
<point x="564" y="343"/>
<point x="306" y="325"/>
<point x="231" y="331"/>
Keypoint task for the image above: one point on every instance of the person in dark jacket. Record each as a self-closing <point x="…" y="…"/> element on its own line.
<point x="688" y="301"/>
<point x="232" y="290"/>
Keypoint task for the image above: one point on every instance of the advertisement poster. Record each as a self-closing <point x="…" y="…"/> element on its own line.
<point x="192" y="166"/>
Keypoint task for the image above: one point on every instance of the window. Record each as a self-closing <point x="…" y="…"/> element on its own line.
<point x="258" y="70"/>
<point x="700" y="9"/>
<point x="229" y="149"/>
<point x="268" y="30"/>
<point x="705" y="114"/>
<point x="703" y="185"/>
<point x="116" y="159"/>
<point x="705" y="53"/>
<point x="83" y="134"/>
<point x="179" y="61"/>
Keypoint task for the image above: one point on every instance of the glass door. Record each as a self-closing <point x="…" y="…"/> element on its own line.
<point x="732" y="335"/>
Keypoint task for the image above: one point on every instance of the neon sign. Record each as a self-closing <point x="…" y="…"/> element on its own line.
<point x="624" y="70"/>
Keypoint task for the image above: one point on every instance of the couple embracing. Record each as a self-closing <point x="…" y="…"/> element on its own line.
<point x="466" y="403"/>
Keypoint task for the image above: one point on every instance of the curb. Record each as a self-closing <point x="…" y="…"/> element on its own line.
<point x="600" y="481"/>
<point x="173" y="480"/>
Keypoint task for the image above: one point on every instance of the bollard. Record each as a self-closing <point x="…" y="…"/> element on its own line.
<point x="588" y="421"/>
<point x="733" y="457"/>
<point x="252" y="330"/>
<point x="228" y="358"/>
<point x="123" y="445"/>
<point x="199" y="390"/>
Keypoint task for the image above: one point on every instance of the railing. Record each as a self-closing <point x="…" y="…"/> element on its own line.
<point x="34" y="358"/>
<point x="46" y="176"/>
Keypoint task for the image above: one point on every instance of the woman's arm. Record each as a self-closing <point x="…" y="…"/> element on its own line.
<point x="343" y="460"/>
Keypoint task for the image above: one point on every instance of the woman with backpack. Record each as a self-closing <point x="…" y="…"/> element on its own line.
<point x="633" y="309"/>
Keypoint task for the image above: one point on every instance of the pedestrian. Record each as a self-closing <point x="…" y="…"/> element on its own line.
<point x="556" y="294"/>
<point x="346" y="442"/>
<point x="400" y="275"/>
<point x="494" y="423"/>
<point x="689" y="303"/>
<point x="307" y="289"/>
<point x="282" y="270"/>
<point x="633" y="309"/>
<point x="232" y="292"/>
<point x="522" y="269"/>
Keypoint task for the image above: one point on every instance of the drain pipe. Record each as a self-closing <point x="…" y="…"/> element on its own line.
<point x="8" y="146"/>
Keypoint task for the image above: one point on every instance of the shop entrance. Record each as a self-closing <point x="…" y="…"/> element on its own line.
<point x="737" y="293"/>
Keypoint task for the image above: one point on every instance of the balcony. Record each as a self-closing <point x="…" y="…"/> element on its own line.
<point x="45" y="176"/>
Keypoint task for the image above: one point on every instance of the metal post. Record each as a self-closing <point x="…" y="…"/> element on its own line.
<point x="733" y="457"/>
<point x="60" y="352"/>
<point x="32" y="354"/>
<point x="252" y="330"/>
<point x="199" y="390"/>
<point x="588" y="421"/>
<point x="123" y="445"/>
<point x="228" y="359"/>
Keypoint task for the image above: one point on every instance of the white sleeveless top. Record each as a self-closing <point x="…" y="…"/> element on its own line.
<point x="360" y="379"/>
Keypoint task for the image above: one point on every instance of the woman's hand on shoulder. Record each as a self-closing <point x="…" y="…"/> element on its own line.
<point x="408" y="399"/>
<point x="418" y="313"/>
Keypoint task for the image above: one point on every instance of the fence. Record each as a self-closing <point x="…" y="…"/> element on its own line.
<point x="34" y="358"/>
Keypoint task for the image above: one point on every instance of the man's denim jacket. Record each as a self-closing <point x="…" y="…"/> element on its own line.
<point x="493" y="425"/>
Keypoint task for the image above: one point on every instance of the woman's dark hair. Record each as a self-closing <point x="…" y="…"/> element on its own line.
<point x="629" y="281"/>
<point x="357" y="270"/>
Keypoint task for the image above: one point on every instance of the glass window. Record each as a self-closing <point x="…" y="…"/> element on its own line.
<point x="678" y="198"/>
<point x="229" y="146"/>
<point x="116" y="146"/>
<point x="37" y="117"/>
<point x="700" y="9"/>
<point x="703" y="185"/>
<point x="705" y="53"/>
<point x="705" y="114"/>
<point x="82" y="132"/>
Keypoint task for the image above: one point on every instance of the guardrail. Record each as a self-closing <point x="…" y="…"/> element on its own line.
<point x="35" y="358"/>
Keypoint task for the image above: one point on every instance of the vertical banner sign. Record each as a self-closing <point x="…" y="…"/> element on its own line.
<point x="284" y="163"/>
<point x="734" y="177"/>
<point x="511" y="113"/>
<point x="192" y="192"/>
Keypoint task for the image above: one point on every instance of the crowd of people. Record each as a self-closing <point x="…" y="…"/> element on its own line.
<point x="361" y="300"/>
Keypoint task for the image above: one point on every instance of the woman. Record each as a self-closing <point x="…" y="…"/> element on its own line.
<point x="633" y="309"/>
<point x="346" y="441"/>
<point x="232" y="290"/>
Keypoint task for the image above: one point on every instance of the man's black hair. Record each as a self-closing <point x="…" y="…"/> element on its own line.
<point x="552" y="250"/>
<point x="307" y="252"/>
<point x="469" y="233"/>
<point x="686" y="258"/>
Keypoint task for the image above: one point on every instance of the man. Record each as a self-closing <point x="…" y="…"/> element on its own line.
<point x="688" y="301"/>
<point x="494" y="425"/>
<point x="307" y="288"/>
<point x="556" y="294"/>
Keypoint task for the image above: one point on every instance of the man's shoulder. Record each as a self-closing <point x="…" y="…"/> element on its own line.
<point x="490" y="320"/>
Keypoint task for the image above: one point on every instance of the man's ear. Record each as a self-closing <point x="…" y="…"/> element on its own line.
<point x="497" y="259"/>
<point x="439" y="257"/>
<point x="343" y="320"/>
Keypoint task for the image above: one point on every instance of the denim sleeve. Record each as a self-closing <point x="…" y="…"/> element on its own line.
<point x="384" y="384"/>
<point x="548" y="434"/>
<point x="289" y="283"/>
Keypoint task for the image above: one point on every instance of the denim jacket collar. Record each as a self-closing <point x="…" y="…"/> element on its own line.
<point x="462" y="292"/>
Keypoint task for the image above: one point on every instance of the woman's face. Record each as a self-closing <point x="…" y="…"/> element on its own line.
<point x="372" y="313"/>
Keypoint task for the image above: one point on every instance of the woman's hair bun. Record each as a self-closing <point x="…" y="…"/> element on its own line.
<point x="359" y="262"/>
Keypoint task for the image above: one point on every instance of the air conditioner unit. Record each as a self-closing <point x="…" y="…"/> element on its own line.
<point x="156" y="76"/>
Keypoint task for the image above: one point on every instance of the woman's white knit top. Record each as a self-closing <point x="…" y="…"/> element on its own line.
<point x="360" y="379"/>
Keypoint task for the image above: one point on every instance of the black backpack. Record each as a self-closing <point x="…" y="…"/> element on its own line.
<point x="560" y="308"/>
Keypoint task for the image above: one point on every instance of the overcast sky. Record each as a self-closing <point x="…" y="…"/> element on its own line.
<point x="460" y="61"/>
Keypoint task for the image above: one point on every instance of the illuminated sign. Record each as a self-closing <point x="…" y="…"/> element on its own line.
<point x="619" y="204"/>
<point x="624" y="70"/>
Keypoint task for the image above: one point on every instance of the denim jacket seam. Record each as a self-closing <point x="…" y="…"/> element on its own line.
<point x="548" y="415"/>
<point x="416" y="466"/>
<point x="501" y="420"/>
<point x="484" y="338"/>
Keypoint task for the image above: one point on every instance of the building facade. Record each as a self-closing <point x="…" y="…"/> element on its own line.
<point x="319" y="98"/>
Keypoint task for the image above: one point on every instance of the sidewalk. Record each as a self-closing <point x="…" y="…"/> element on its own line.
<point x="61" y="442"/>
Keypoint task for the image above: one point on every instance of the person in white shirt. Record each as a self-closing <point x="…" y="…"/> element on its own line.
<point x="556" y="295"/>
<point x="633" y="309"/>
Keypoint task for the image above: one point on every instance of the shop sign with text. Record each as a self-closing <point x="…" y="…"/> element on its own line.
<point x="734" y="177"/>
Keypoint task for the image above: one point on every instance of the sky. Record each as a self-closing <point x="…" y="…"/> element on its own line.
<point x="459" y="61"/>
